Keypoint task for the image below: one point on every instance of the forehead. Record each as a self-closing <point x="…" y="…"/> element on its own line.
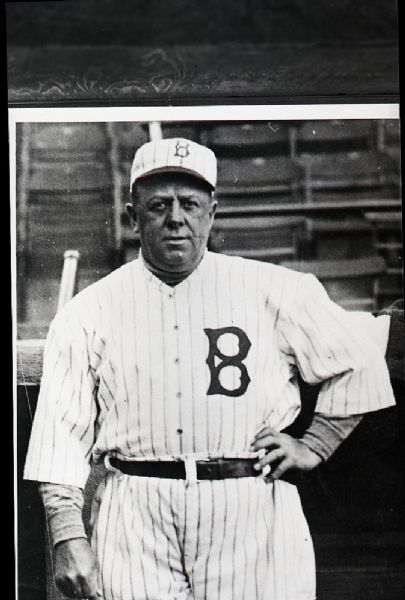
<point x="168" y="183"/>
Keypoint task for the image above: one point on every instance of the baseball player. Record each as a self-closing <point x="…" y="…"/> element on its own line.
<point x="178" y="370"/>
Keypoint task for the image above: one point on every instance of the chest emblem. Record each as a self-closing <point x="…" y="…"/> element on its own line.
<point x="217" y="360"/>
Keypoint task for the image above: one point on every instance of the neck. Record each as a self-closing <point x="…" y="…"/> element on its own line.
<point x="171" y="278"/>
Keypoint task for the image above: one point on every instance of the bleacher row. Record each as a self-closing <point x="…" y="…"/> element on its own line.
<point x="322" y="196"/>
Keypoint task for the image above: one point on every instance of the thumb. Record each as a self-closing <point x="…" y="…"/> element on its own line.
<point x="99" y="583"/>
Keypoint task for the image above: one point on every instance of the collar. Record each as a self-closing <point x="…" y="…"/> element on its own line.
<point x="172" y="280"/>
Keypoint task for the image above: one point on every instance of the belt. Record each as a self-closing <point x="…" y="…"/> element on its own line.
<point x="221" y="468"/>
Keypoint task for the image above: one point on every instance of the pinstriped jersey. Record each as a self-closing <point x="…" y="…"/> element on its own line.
<point x="138" y="369"/>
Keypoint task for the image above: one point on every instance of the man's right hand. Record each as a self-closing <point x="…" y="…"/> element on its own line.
<point x="76" y="570"/>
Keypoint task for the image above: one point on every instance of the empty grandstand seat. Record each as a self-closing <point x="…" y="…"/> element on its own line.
<point x="350" y="237"/>
<point x="53" y="177"/>
<point x="388" y="241"/>
<point x="392" y="132"/>
<point x="234" y="138"/>
<point x="66" y="141"/>
<point x="354" y="174"/>
<point x="328" y="136"/>
<point x="351" y="283"/>
<point x="127" y="138"/>
<point x="259" y="175"/>
<point x="352" y="169"/>
<point x="387" y="229"/>
<point x="191" y="131"/>
<point x="59" y="222"/>
<point x="261" y="238"/>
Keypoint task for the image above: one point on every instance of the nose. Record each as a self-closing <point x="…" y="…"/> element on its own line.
<point x="175" y="214"/>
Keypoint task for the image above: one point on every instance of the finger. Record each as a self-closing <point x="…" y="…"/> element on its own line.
<point x="279" y="470"/>
<point x="269" y="458"/>
<point x="68" y="587"/>
<point x="263" y="432"/>
<point x="100" y="594"/>
<point x="267" y="442"/>
<point x="89" y="588"/>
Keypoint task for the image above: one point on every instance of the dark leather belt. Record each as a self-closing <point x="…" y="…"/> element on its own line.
<point x="221" y="468"/>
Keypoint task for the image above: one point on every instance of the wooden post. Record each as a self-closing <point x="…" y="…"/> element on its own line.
<point x="68" y="280"/>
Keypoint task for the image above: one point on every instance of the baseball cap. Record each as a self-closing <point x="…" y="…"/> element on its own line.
<point x="174" y="154"/>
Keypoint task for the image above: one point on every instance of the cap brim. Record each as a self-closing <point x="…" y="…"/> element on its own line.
<point x="174" y="169"/>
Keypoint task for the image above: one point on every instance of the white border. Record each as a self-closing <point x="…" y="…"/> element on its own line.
<point x="246" y="112"/>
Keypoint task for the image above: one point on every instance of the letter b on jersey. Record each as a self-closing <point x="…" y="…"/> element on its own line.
<point x="226" y="360"/>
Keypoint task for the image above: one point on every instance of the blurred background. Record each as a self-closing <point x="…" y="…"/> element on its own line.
<point x="318" y="196"/>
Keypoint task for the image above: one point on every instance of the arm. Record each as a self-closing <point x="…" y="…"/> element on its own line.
<point x="75" y="569"/>
<point x="63" y="431"/>
<point x="343" y="351"/>
<point x="326" y="432"/>
<point x="316" y="445"/>
<point x="60" y="447"/>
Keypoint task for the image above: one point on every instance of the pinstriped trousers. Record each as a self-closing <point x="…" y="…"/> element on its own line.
<point x="232" y="539"/>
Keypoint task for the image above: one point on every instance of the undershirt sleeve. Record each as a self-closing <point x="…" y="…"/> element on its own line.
<point x="326" y="433"/>
<point x="63" y="511"/>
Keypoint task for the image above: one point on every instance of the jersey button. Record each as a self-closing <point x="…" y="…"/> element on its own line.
<point x="177" y="360"/>
<point x="176" y="327"/>
<point x="179" y="431"/>
<point x="179" y="394"/>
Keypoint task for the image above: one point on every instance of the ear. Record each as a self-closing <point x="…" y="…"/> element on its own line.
<point x="213" y="209"/>
<point x="133" y="217"/>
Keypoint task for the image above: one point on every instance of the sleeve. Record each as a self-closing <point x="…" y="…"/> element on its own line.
<point x="62" y="435"/>
<point x="337" y="348"/>
<point x="326" y="433"/>
<point x="63" y="509"/>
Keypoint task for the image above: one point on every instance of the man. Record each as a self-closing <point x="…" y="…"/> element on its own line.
<point x="179" y="370"/>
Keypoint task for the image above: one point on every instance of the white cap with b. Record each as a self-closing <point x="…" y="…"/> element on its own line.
<point x="174" y="154"/>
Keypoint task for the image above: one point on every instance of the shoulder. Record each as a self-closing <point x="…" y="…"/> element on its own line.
<point x="91" y="303"/>
<point x="265" y="271"/>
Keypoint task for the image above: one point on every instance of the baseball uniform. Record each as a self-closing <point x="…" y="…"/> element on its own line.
<point x="139" y="370"/>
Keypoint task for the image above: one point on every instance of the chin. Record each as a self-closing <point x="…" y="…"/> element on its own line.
<point x="178" y="260"/>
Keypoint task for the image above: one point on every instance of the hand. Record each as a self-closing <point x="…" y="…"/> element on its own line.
<point x="284" y="453"/>
<point x="76" y="570"/>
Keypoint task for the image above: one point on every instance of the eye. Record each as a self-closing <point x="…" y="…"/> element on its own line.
<point x="190" y="203"/>
<point x="157" y="206"/>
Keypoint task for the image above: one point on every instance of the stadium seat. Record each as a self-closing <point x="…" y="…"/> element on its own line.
<point x="68" y="141"/>
<point x="191" y="131"/>
<point x="80" y="222"/>
<point x="247" y="138"/>
<point x="262" y="238"/>
<point x="332" y="136"/>
<point x="126" y="138"/>
<point x="339" y="238"/>
<point x="68" y="176"/>
<point x="388" y="242"/>
<point x="354" y="174"/>
<point x="260" y="175"/>
<point x="351" y="283"/>
<point x="392" y="132"/>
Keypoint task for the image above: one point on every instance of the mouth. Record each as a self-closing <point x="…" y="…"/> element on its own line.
<point x="175" y="239"/>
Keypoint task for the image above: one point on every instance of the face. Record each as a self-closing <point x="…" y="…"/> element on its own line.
<point x="173" y="214"/>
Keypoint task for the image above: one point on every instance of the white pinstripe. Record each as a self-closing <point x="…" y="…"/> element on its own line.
<point x="125" y="373"/>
